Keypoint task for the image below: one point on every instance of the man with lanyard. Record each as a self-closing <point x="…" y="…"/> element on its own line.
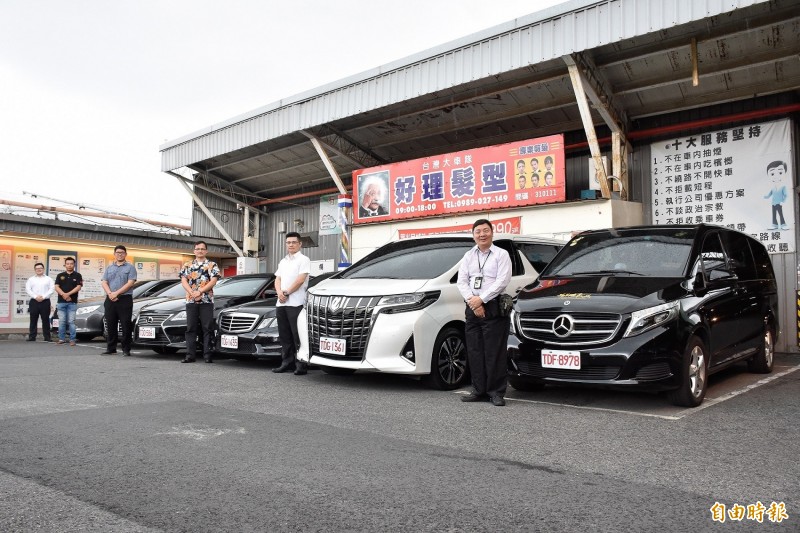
<point x="198" y="279"/>
<point x="484" y="274"/>
<point x="39" y="288"/>
<point x="291" y="281"/>
<point x="68" y="284"/>
<point x="117" y="282"/>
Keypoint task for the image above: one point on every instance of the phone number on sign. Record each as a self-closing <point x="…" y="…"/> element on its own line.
<point x="483" y="200"/>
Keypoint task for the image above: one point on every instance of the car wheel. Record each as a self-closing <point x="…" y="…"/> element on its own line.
<point x="449" y="361"/>
<point x="165" y="350"/>
<point x="694" y="376"/>
<point x="761" y="363"/>
<point x="524" y="385"/>
<point x="334" y="371"/>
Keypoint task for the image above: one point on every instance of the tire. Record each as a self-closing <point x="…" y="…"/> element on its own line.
<point x="524" y="385"/>
<point x="449" y="361"/>
<point x="761" y="363"/>
<point x="165" y="350"/>
<point x="334" y="371"/>
<point x="694" y="375"/>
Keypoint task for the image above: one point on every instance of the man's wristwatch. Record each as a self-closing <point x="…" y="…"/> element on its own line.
<point x="286" y="293"/>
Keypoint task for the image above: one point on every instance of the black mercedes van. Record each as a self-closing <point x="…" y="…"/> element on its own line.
<point x="648" y="307"/>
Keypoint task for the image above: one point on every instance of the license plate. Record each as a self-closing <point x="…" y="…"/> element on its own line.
<point x="147" y="333"/>
<point x="561" y="359"/>
<point x="332" y="346"/>
<point x="229" y="341"/>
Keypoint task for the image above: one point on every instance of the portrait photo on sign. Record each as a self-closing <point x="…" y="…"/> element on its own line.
<point x="373" y="192"/>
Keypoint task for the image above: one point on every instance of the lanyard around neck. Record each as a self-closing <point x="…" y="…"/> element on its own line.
<point x="480" y="266"/>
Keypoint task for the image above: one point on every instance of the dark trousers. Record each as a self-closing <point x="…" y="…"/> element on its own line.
<point x="777" y="209"/>
<point x="36" y="310"/>
<point x="287" y="332"/>
<point x="199" y="318"/>
<point x="118" y="316"/>
<point x="487" y="346"/>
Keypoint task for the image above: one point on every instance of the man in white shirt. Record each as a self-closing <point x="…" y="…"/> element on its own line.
<point x="39" y="288"/>
<point x="291" y="281"/>
<point x="484" y="274"/>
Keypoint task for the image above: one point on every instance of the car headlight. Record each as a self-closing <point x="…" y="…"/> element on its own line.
<point x="86" y="310"/>
<point x="647" y="319"/>
<point x="268" y="322"/>
<point x="178" y="316"/>
<point x="134" y="317"/>
<point x="401" y="303"/>
<point x="513" y="318"/>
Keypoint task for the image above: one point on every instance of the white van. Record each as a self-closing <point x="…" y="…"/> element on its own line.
<point x="398" y="310"/>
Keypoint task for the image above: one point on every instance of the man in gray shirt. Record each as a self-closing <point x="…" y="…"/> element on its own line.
<point x="117" y="282"/>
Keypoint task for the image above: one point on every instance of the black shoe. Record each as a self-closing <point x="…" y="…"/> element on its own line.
<point x="48" y="340"/>
<point x="209" y="360"/>
<point x="301" y="370"/>
<point x="126" y="354"/>
<point x="30" y="340"/>
<point x="187" y="360"/>
<point x="281" y="369"/>
<point x="499" y="401"/>
<point x="108" y="352"/>
<point x="473" y="397"/>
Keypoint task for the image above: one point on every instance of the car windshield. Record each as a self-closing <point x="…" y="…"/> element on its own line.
<point x="653" y="252"/>
<point x="238" y="287"/>
<point x="412" y="259"/>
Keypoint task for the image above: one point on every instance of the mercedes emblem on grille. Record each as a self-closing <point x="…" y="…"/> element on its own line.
<point x="149" y="319"/>
<point x="336" y="303"/>
<point x="563" y="325"/>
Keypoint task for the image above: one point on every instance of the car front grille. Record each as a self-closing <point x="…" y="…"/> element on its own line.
<point x="153" y="319"/>
<point x="341" y="317"/>
<point x="237" y="322"/>
<point x="569" y="329"/>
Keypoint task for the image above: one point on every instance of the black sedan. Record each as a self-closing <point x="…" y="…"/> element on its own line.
<point x="89" y="316"/>
<point x="162" y="326"/>
<point x="248" y="331"/>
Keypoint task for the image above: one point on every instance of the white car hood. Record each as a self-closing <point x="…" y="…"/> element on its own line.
<point x="368" y="287"/>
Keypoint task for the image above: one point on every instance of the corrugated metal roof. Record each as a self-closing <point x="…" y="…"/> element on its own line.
<point x="532" y="40"/>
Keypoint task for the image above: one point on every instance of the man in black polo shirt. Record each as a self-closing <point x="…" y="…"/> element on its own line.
<point x="67" y="285"/>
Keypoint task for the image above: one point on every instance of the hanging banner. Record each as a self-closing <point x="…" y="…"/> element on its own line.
<point x="92" y="269"/>
<point x="741" y="178"/>
<point x="24" y="259"/>
<point x="329" y="215"/>
<point x="482" y="179"/>
<point x="146" y="269"/>
<point x="6" y="253"/>
<point x="503" y="226"/>
<point x="168" y="270"/>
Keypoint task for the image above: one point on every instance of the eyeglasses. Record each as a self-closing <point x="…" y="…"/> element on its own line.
<point x="120" y="252"/>
<point x="292" y="242"/>
<point x="482" y="232"/>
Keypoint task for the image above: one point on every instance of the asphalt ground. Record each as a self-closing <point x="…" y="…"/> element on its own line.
<point x="93" y="443"/>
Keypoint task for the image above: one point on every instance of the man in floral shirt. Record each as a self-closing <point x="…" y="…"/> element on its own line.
<point x="198" y="279"/>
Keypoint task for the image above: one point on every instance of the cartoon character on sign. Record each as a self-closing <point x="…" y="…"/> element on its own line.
<point x="776" y="171"/>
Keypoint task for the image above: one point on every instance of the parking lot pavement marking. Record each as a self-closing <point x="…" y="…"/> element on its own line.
<point x="606" y="409"/>
<point x="710" y="402"/>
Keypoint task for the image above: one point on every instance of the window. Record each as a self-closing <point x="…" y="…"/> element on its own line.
<point x="741" y="260"/>
<point x="539" y="255"/>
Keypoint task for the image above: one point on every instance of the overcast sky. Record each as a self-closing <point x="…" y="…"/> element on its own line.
<point x="89" y="89"/>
